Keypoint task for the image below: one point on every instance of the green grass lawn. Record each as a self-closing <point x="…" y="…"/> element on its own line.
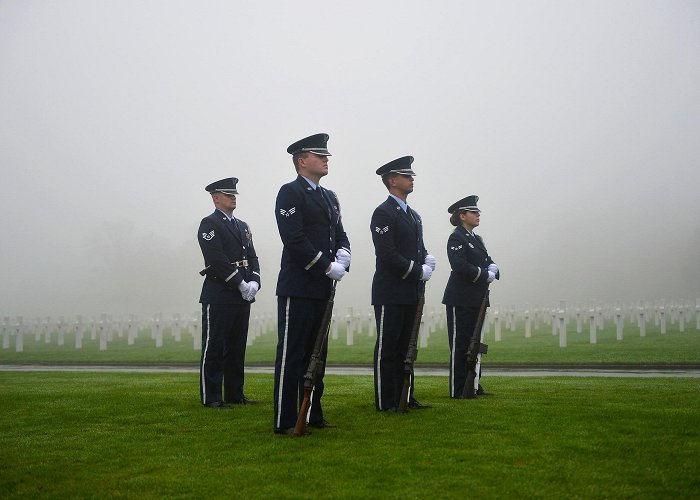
<point x="69" y="435"/>
<point x="674" y="347"/>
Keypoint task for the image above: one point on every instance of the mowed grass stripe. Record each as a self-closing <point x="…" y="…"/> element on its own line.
<point x="145" y="435"/>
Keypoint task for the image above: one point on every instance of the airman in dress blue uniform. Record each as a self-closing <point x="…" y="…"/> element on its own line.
<point x="472" y="272"/>
<point x="316" y="252"/>
<point x="232" y="278"/>
<point x="403" y="265"/>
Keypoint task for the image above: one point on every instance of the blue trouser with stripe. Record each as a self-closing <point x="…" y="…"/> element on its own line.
<point x="460" y="328"/>
<point x="224" y="336"/>
<point x="298" y="321"/>
<point x="394" y="325"/>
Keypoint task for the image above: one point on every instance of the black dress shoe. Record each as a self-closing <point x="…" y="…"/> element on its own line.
<point x="322" y="424"/>
<point x="415" y="405"/>
<point x="289" y="431"/>
<point x="244" y="401"/>
<point x="481" y="392"/>
<point x="218" y="405"/>
<point x="390" y="410"/>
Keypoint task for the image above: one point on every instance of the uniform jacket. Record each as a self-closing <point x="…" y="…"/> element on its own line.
<point x="469" y="261"/>
<point x="223" y="242"/>
<point x="400" y="254"/>
<point x="312" y="231"/>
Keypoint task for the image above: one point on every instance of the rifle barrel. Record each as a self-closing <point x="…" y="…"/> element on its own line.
<point x="473" y="351"/>
<point x="411" y="354"/>
<point x="315" y="363"/>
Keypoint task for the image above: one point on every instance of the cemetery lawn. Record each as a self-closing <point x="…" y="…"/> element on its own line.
<point x="144" y="435"/>
<point x="673" y="348"/>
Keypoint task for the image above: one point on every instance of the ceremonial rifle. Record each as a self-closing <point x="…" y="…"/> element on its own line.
<point x="411" y="355"/>
<point x="474" y="351"/>
<point x="315" y="364"/>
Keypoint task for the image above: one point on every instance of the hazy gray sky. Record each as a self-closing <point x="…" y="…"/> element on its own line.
<point x="577" y="124"/>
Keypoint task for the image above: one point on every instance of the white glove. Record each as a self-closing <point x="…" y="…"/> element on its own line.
<point x="342" y="257"/>
<point x="492" y="276"/>
<point x="431" y="261"/>
<point x="427" y="273"/>
<point x="253" y="289"/>
<point x="336" y="272"/>
<point x="244" y="288"/>
<point x="493" y="268"/>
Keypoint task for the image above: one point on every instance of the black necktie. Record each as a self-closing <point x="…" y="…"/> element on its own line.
<point x="410" y="212"/>
<point x="319" y="189"/>
<point x="236" y="229"/>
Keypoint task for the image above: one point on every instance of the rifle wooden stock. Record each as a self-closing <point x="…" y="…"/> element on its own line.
<point x="475" y="349"/>
<point x="315" y="364"/>
<point x="411" y="355"/>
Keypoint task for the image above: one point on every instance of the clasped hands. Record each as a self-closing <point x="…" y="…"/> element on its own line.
<point x="493" y="271"/>
<point x="336" y="270"/>
<point x="248" y="290"/>
<point x="428" y="267"/>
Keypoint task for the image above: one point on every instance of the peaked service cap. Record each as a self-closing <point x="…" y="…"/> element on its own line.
<point x="398" y="166"/>
<point x="226" y="186"/>
<point x="316" y="144"/>
<point x="468" y="203"/>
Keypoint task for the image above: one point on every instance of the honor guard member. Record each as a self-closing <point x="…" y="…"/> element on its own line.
<point x="472" y="271"/>
<point x="232" y="278"/>
<point x="403" y="265"/>
<point x="316" y="252"/>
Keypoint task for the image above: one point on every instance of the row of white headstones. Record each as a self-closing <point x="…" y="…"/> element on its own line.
<point x="595" y="317"/>
<point x="501" y="319"/>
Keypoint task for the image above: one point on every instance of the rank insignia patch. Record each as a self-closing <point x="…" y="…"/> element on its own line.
<point x="287" y="213"/>
<point x="208" y="236"/>
<point x="382" y="230"/>
<point x="456" y="248"/>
